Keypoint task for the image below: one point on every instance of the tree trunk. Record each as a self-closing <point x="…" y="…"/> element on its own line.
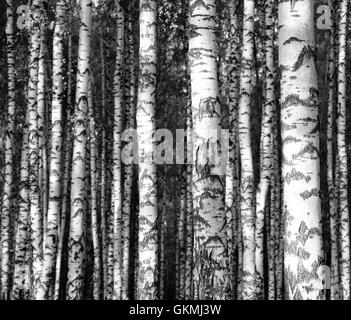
<point x="266" y="152"/>
<point x="210" y="278"/>
<point x="117" y="131"/>
<point x="300" y="142"/>
<point x="8" y="170"/>
<point x="231" y="185"/>
<point x="247" y="205"/>
<point x="67" y="172"/>
<point x="334" y="270"/>
<point x="76" y="241"/>
<point x="93" y="198"/>
<point x="128" y="168"/>
<point x="342" y="174"/>
<point x="147" y="170"/>
<point x="33" y="155"/>
<point x="20" y="289"/>
<point x="50" y="248"/>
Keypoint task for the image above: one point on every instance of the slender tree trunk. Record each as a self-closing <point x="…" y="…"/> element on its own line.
<point x="128" y="167"/>
<point x="20" y="289"/>
<point x="342" y="174"/>
<point x="335" y="290"/>
<point x="41" y="120"/>
<point x="247" y="206"/>
<point x="262" y="207"/>
<point x="104" y="218"/>
<point x="66" y="175"/>
<point x="147" y="170"/>
<point x="189" y="225"/>
<point x="93" y="198"/>
<point x="8" y="144"/>
<point x="231" y="184"/>
<point x="162" y="226"/>
<point x="303" y="253"/>
<point x="117" y="131"/>
<point x="76" y="243"/>
<point x="181" y="240"/>
<point x="33" y="155"/>
<point x="55" y="199"/>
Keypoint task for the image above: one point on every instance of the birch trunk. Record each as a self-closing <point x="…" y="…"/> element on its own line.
<point x="145" y="117"/>
<point x="93" y="198"/>
<point x="303" y="253"/>
<point x="342" y="174"/>
<point x="20" y="284"/>
<point x="189" y="229"/>
<point x="117" y="131"/>
<point x="247" y="205"/>
<point x="8" y="144"/>
<point x="67" y="171"/>
<point x="50" y="248"/>
<point x="33" y="155"/>
<point x="267" y="137"/>
<point x="210" y="278"/>
<point x="41" y="120"/>
<point x="231" y="177"/>
<point x="335" y="280"/>
<point x="128" y="168"/>
<point x="76" y="243"/>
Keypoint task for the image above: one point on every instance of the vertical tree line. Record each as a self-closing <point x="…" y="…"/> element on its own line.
<point x="174" y="150"/>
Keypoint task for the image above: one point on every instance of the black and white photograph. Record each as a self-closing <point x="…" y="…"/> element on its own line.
<point x="175" y="150"/>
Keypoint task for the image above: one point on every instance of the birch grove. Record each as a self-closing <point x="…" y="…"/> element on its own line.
<point x="175" y="150"/>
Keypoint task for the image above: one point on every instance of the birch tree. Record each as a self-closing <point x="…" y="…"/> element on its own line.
<point x="303" y="253"/>
<point x="93" y="197"/>
<point x="231" y="191"/>
<point x="145" y="118"/>
<point x="33" y="152"/>
<point x="8" y="144"/>
<point x="66" y="176"/>
<point x="342" y="173"/>
<point x="128" y="167"/>
<point x="210" y="279"/>
<point x="335" y="290"/>
<point x="117" y="130"/>
<point x="266" y="149"/>
<point x="55" y="155"/>
<point x="76" y="243"/>
<point x="247" y="206"/>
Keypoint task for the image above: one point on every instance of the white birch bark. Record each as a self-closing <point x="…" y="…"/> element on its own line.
<point x="76" y="243"/>
<point x="300" y="139"/>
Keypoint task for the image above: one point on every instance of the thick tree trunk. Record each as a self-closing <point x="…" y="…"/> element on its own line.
<point x="210" y="276"/>
<point x="147" y="170"/>
<point x="303" y="253"/>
